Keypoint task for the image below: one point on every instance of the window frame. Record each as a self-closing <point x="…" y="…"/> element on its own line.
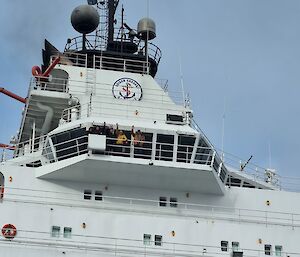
<point x="278" y="249"/>
<point x="98" y="195"/>
<point x="163" y="201"/>
<point x="158" y="240"/>
<point x="235" y="246"/>
<point x="224" y="248"/>
<point x="147" y="239"/>
<point x="173" y="202"/>
<point x="87" y="194"/>
<point x="55" y="231"/>
<point x="67" y="234"/>
<point x="268" y="249"/>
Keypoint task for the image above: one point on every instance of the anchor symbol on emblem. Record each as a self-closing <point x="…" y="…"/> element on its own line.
<point x="127" y="88"/>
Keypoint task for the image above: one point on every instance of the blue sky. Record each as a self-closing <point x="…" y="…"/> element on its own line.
<point x="241" y="56"/>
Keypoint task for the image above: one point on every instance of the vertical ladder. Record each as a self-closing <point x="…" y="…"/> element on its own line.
<point x="91" y="79"/>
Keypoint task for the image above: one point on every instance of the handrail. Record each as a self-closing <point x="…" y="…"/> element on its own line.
<point x="115" y="149"/>
<point x="144" y="152"/>
<point x="75" y="45"/>
<point x="128" y="246"/>
<point x="103" y="109"/>
<point x="75" y="86"/>
<point x="106" y="63"/>
<point x="217" y="212"/>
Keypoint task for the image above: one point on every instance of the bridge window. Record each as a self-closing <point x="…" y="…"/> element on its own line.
<point x="235" y="182"/>
<point x="142" y="147"/>
<point x="203" y="153"/>
<point x="70" y="143"/>
<point x="164" y="147"/>
<point x="185" y="148"/>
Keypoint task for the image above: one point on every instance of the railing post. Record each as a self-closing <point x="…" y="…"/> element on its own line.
<point x="220" y="169"/>
<point x="124" y="66"/>
<point x="213" y="159"/>
<point x="293" y="221"/>
<point x="159" y="155"/>
<point x="195" y="148"/>
<point x="187" y="155"/>
<point x="78" y="152"/>
<point x="175" y="148"/>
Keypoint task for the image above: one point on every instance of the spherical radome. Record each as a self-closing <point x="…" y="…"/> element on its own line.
<point x="85" y="19"/>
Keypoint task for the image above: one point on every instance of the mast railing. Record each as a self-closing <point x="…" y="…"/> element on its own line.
<point x="96" y="43"/>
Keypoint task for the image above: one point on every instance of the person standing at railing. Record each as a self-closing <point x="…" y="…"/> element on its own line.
<point x="138" y="140"/>
<point x="95" y="130"/>
<point x="111" y="138"/>
<point x="122" y="140"/>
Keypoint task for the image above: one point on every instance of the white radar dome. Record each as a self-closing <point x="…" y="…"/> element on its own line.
<point x="146" y="29"/>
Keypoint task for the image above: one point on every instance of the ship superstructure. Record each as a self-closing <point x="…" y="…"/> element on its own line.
<point x="109" y="162"/>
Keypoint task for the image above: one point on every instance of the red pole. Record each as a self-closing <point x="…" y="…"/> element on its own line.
<point x="51" y="67"/>
<point x="12" y="95"/>
<point x="9" y="147"/>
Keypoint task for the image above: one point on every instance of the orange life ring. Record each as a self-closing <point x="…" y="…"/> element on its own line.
<point x="36" y="71"/>
<point x="9" y="231"/>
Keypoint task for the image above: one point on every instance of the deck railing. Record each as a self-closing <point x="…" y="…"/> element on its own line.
<point x="105" y="63"/>
<point x="161" y="151"/>
<point x="61" y="85"/>
<point x="89" y="244"/>
<point x="211" y="212"/>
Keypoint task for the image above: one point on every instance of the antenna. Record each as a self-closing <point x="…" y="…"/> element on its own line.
<point x="181" y="79"/>
<point x="243" y="166"/>
<point x="270" y="155"/>
<point x="223" y="130"/>
<point x="147" y="41"/>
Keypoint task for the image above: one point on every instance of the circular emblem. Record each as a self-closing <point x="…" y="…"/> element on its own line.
<point x="9" y="231"/>
<point x="127" y="88"/>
